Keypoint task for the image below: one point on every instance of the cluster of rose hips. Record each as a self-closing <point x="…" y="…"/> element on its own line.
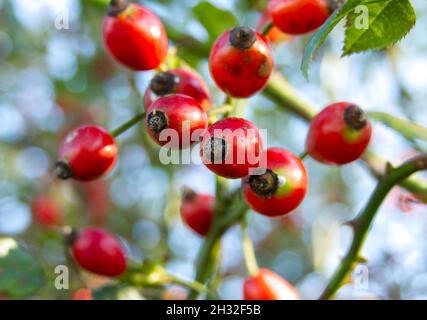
<point x="241" y="62"/>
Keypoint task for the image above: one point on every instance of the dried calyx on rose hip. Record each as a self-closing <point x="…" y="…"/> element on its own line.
<point x="86" y="153"/>
<point x="299" y="16"/>
<point x="267" y="285"/>
<point x="134" y="36"/>
<point x="98" y="251"/>
<point x="176" y="121"/>
<point x="180" y="81"/>
<point x="197" y="210"/>
<point x="241" y="62"/>
<point x="339" y="134"/>
<point x="281" y="188"/>
<point x="231" y="147"/>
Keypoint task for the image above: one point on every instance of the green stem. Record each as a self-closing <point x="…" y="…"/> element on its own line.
<point x="407" y="129"/>
<point x="363" y="222"/>
<point x="268" y="26"/>
<point x="248" y="250"/>
<point x="192" y="285"/>
<point x="127" y="125"/>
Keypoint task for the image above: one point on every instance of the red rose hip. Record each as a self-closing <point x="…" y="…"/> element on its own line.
<point x="134" y="36"/>
<point x="267" y="285"/>
<point x="176" y="120"/>
<point x="281" y="188"/>
<point x="339" y="134"/>
<point x="197" y="211"/>
<point x="46" y="212"/>
<point x="241" y="62"/>
<point x="87" y="153"/>
<point x="178" y="81"/>
<point x="231" y="147"/>
<point x="82" y="294"/>
<point x="98" y="251"/>
<point x="299" y="16"/>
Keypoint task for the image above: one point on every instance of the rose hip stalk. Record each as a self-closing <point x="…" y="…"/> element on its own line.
<point x="281" y="188"/>
<point x="87" y="153"/>
<point x="241" y="62"/>
<point x="339" y="134"/>
<point x="134" y="36"/>
<point x="178" y="81"/>
<point x="231" y="147"/>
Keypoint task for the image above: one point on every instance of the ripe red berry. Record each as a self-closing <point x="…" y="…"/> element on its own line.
<point x="175" y="293"/>
<point x="274" y="35"/>
<point x="178" y="81"/>
<point x="86" y="154"/>
<point x="197" y="211"/>
<point x="135" y="36"/>
<point x="299" y="16"/>
<point x="339" y="134"/>
<point x="99" y="252"/>
<point x="176" y="120"/>
<point x="231" y="147"/>
<point x="267" y="285"/>
<point x="241" y="62"/>
<point x="281" y="188"/>
<point x="46" y="212"/>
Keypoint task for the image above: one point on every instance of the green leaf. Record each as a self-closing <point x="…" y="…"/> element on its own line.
<point x="407" y="129"/>
<point x="321" y="35"/>
<point x="389" y="21"/>
<point x="20" y="274"/>
<point x="214" y="19"/>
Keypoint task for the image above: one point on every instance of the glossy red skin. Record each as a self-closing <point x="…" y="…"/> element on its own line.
<point x="247" y="142"/>
<point x="190" y="84"/>
<point x="274" y="35"/>
<point x="241" y="73"/>
<point x="280" y="203"/>
<point x="136" y="38"/>
<point x="98" y="251"/>
<point x="267" y="285"/>
<point x="179" y="108"/>
<point x="327" y="142"/>
<point x="46" y="212"/>
<point x="90" y="151"/>
<point x="197" y="213"/>
<point x="82" y="294"/>
<point x="299" y="16"/>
